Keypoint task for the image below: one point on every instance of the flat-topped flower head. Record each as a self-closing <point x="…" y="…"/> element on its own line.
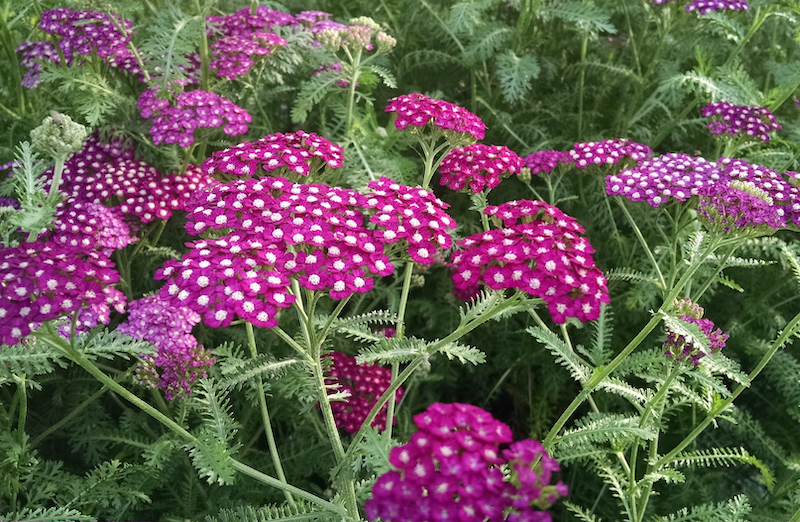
<point x="726" y="118"/>
<point x="245" y="23"/>
<point x="233" y="56"/>
<point x="192" y="109"/>
<point x="91" y="33"/>
<point x="90" y="226"/>
<point x="411" y="216"/>
<point x="545" y="161"/>
<point x="477" y="167"/>
<point x="421" y="111"/>
<point x="42" y="281"/>
<point x="292" y="154"/>
<point x="680" y="346"/>
<point x="32" y="54"/>
<point x="608" y="152"/>
<point x="364" y="384"/>
<point x="179" y="360"/>
<point x="452" y="470"/>
<point x="707" y="6"/>
<point x="539" y="250"/>
<point x="670" y="176"/>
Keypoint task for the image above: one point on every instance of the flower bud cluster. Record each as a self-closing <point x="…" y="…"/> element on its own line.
<point x="481" y="166"/>
<point x="412" y="215"/>
<point x="364" y="384"/>
<point x="452" y="470"/>
<point x="608" y="152"/>
<point x="680" y="348"/>
<point x="233" y="55"/>
<point x="419" y="110"/>
<point x="545" y="161"/>
<point x="88" y="33"/>
<point x="756" y="122"/>
<point x="42" y="281"/>
<point x="179" y="359"/>
<point x="539" y="250"/>
<point x="293" y="153"/>
<point x="31" y="51"/>
<point x="192" y="109"/>
<point x="58" y="136"/>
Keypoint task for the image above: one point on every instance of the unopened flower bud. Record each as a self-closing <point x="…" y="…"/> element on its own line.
<point x="366" y="21"/>
<point x="58" y="136"/>
<point x="385" y="42"/>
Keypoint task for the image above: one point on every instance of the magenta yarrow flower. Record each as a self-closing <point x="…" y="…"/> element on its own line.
<point x="31" y="54"/>
<point x="681" y="348"/>
<point x="756" y="122"/>
<point x="479" y="166"/>
<point x="539" y="250"/>
<point x="244" y="23"/>
<point x="311" y="18"/>
<point x="532" y="470"/>
<point x="419" y="110"/>
<point x="90" y="226"/>
<point x="91" y="33"/>
<point x="192" y="110"/>
<point x="234" y="55"/>
<point x="706" y="6"/>
<point x="364" y="384"/>
<point x="545" y="161"/>
<point x="294" y="153"/>
<point x="608" y="152"/>
<point x="43" y="281"/>
<point x="412" y="216"/>
<point x="179" y="360"/>
<point x="451" y="470"/>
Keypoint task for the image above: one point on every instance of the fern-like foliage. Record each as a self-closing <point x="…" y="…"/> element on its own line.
<point x="47" y="515"/>
<point x="237" y="372"/>
<point x="722" y="457"/>
<point x="28" y="186"/>
<point x="109" y="344"/>
<point x="28" y="359"/>
<point x="313" y="92"/>
<point x="579" y="369"/>
<point x="172" y="38"/>
<point x="736" y="509"/>
<point x="372" y="452"/>
<point x="599" y="433"/>
<point x="300" y="512"/>
<point x="486" y="41"/>
<point x="87" y="90"/>
<point x="587" y="16"/>
<point x="515" y="74"/>
<point x="360" y="327"/>
<point x="389" y="351"/>
<point x="111" y="487"/>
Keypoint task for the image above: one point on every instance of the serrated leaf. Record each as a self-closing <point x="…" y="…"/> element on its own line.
<point x="389" y="351"/>
<point x="586" y="15"/>
<point x="515" y="74"/>
<point x="386" y="76"/>
<point x="579" y="370"/>
<point x="465" y="354"/>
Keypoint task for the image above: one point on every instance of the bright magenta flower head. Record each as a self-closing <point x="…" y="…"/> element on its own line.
<point x="478" y="166"/>
<point x="608" y="152"/>
<point x="541" y="251"/>
<point x="726" y="118"/>
<point x="420" y="110"/>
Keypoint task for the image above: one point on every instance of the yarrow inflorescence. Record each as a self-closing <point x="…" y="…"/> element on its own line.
<point x="179" y="360"/>
<point x="192" y="110"/>
<point x="90" y="226"/>
<point x="478" y="166"/>
<point x="733" y="192"/>
<point x="608" y="152"/>
<point x="412" y="215"/>
<point x="292" y="153"/>
<point x="234" y="55"/>
<point x="41" y="281"/>
<point x="452" y="470"/>
<point x="544" y="161"/>
<point x="31" y="53"/>
<point x="706" y="6"/>
<point x="680" y="346"/>
<point x="420" y="110"/>
<point x="539" y="250"/>
<point x="363" y="384"/>
<point x="756" y="122"/>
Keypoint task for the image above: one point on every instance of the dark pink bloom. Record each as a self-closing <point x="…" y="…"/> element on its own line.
<point x="545" y="161"/>
<point x="680" y="348"/>
<point x="419" y="110"/>
<point x="608" y="152"/>
<point x="479" y="166"/>
<point x="235" y="55"/>
<point x="756" y="122"/>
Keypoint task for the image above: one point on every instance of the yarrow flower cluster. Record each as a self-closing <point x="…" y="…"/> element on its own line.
<point x="733" y="192"/>
<point x="245" y="23"/>
<point x="90" y="226"/>
<point x="234" y="55"/>
<point x="730" y="119"/>
<point x="31" y="53"/>
<point x="42" y="281"/>
<point x="412" y="215"/>
<point x="608" y="152"/>
<point x="101" y="171"/>
<point x="88" y="33"/>
<point x="192" y="110"/>
<point x="545" y="161"/>
<point x="293" y="153"/>
<point x="481" y="166"/>
<point x="419" y="110"/>
<point x="706" y="6"/>
<point x="680" y="346"/>
<point x="179" y="360"/>
<point x="539" y="250"/>
<point x="452" y="470"/>
<point x="363" y="384"/>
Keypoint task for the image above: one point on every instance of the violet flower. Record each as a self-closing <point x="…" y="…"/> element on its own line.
<point x="679" y="348"/>
<point x="756" y="122"/>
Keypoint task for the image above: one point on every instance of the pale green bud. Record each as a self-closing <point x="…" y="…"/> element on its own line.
<point x="58" y="136"/>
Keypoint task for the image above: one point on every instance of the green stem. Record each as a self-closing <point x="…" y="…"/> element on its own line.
<point x="399" y="334"/>
<point x="52" y="339"/>
<point x="262" y="401"/>
<point x="792" y="328"/>
<point x="355" y="63"/>
<point x="584" y="46"/>
<point x="642" y="241"/>
<point x="23" y="403"/>
<point x="601" y="372"/>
